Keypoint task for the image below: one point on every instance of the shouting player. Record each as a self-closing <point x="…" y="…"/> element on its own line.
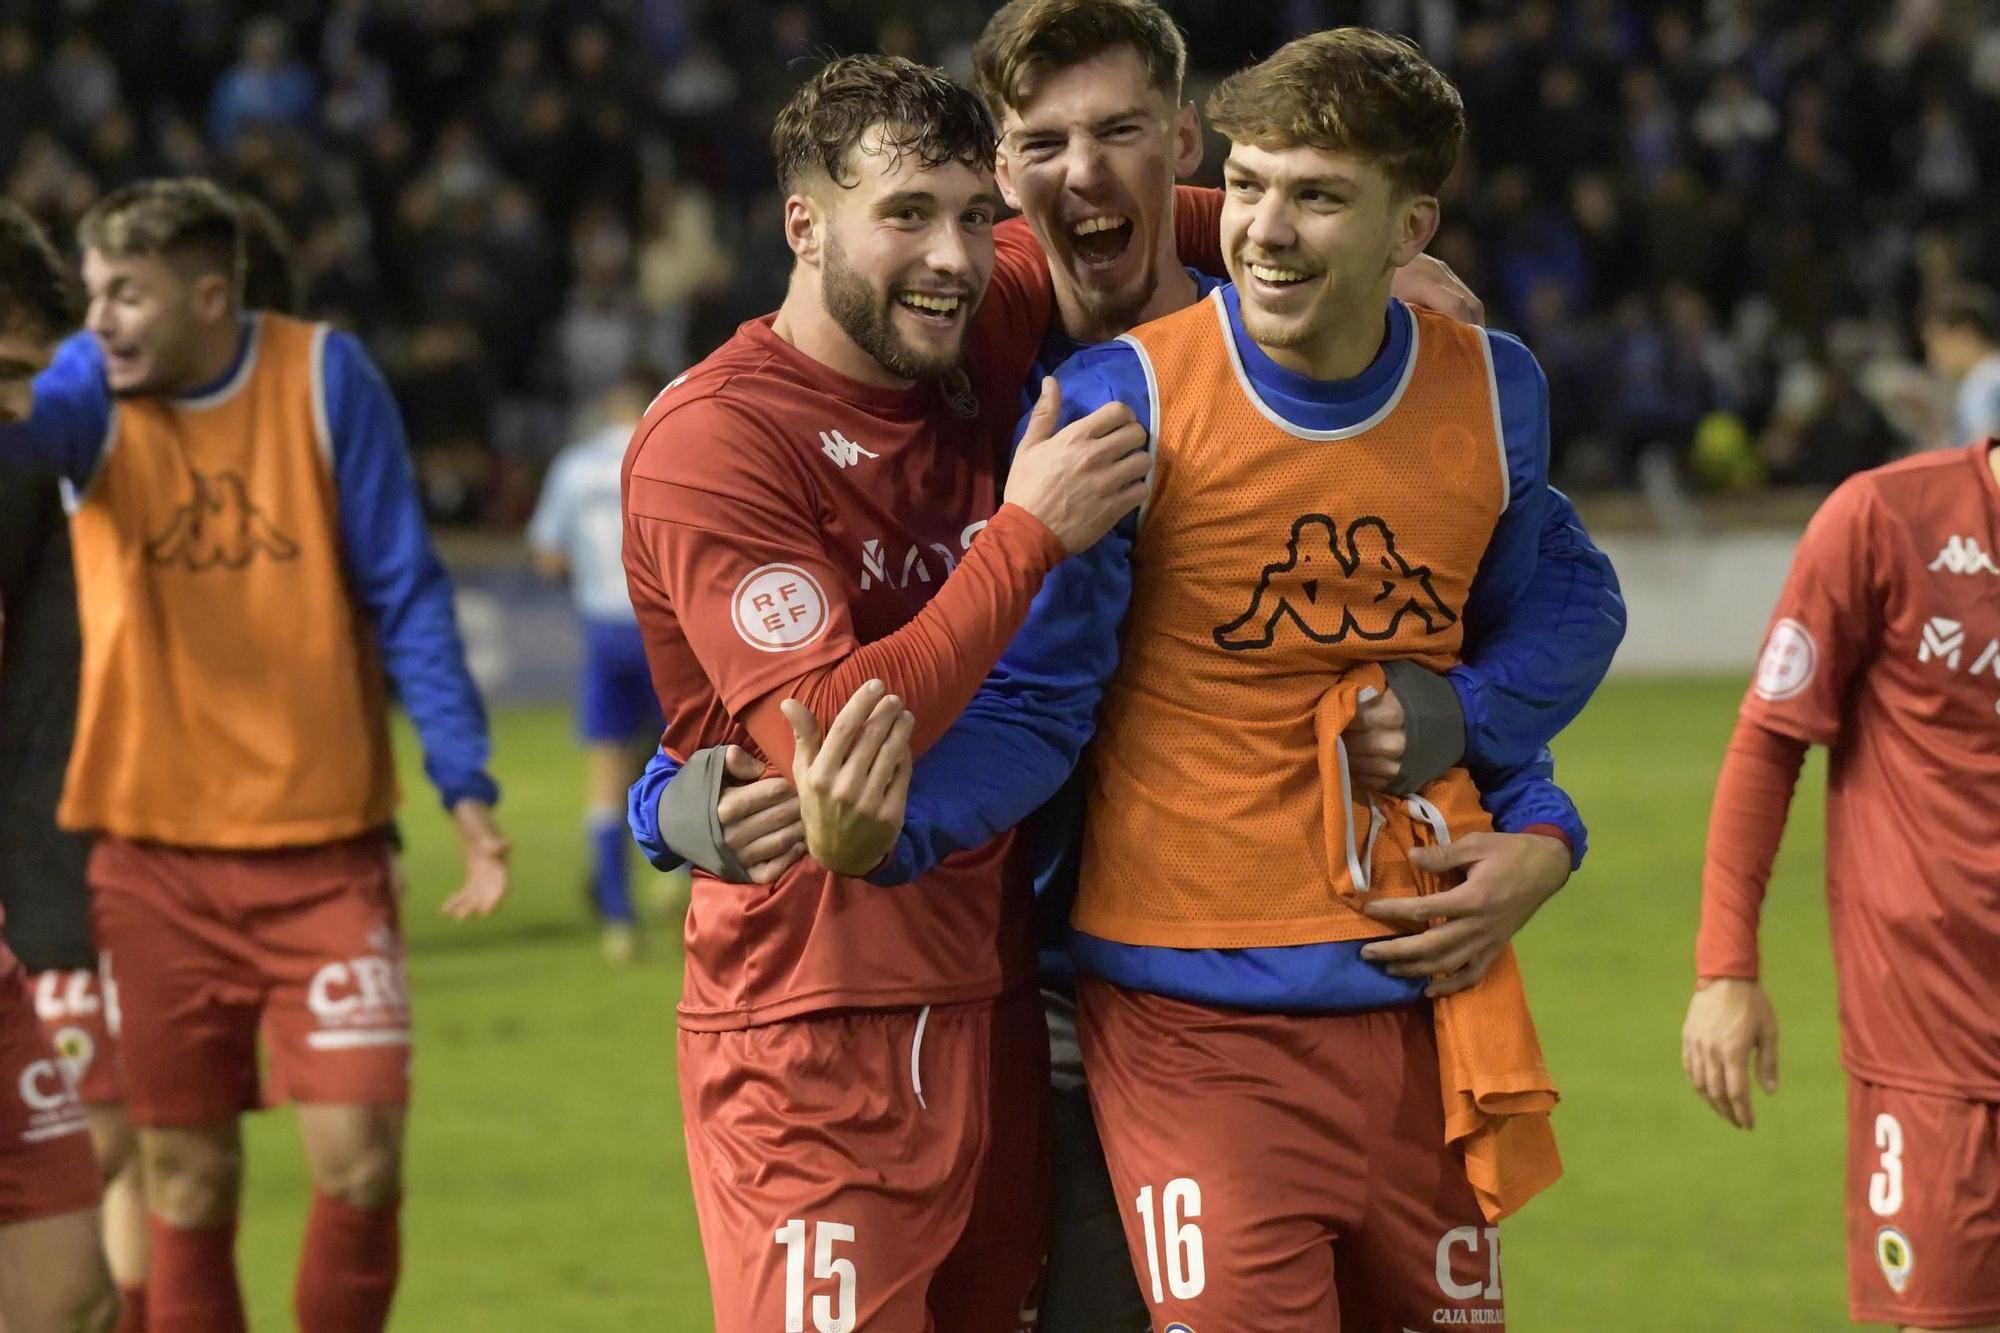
<point x="251" y="556"/>
<point x="52" y="1271"/>
<point x="1339" y="481"/>
<point x="41" y="866"/>
<point x="1886" y="649"/>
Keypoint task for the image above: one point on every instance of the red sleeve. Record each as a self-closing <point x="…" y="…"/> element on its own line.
<point x="1828" y="620"/>
<point x="1198" y="229"/>
<point x="1752" y="798"/>
<point x="724" y="530"/>
<point x="1020" y="301"/>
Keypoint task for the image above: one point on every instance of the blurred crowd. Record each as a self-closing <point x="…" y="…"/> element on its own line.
<point x="1713" y="220"/>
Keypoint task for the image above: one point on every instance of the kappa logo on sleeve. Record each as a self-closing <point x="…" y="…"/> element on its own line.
<point x="1789" y="661"/>
<point x="777" y="608"/>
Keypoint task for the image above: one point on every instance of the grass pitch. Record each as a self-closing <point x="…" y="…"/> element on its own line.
<point x="547" y="1190"/>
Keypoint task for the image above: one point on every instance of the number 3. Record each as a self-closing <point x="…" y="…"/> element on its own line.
<point x="1885" y="1187"/>
<point x="831" y="1314"/>
<point x="1186" y="1273"/>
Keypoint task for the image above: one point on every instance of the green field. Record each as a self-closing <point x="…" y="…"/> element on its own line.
<point x="547" y="1190"/>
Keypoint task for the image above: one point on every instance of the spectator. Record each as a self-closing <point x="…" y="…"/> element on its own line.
<point x="265" y="87"/>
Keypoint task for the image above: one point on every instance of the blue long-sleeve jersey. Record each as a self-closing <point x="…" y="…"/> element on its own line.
<point x="392" y="569"/>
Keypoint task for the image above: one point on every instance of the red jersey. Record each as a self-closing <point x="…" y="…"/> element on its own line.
<point x="792" y="532"/>
<point x="1886" y="648"/>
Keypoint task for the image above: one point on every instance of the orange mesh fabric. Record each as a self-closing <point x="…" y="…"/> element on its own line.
<point x="1268" y="566"/>
<point x="231" y="693"/>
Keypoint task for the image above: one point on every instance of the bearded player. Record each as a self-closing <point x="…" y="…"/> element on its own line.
<point x="252" y="572"/>
<point x="1885" y="648"/>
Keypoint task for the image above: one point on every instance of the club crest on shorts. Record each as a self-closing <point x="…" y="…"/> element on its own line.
<point x="1892" y="1251"/>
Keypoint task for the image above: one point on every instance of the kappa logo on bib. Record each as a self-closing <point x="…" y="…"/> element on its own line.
<point x="777" y="608"/>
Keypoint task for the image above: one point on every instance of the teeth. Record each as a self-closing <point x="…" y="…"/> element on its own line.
<point x="943" y="305"/>
<point x="1091" y="226"/>
<point x="1265" y="273"/>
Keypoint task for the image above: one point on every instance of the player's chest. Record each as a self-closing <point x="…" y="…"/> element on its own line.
<point x="1309" y="549"/>
<point x="1941" y="641"/>
<point x="897" y="511"/>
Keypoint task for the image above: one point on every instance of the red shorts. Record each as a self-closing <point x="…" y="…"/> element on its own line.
<point x="877" y="1169"/>
<point x="210" y="946"/>
<point x="1923" y="1208"/>
<point x="1286" y="1173"/>
<point x="80" y="1014"/>
<point x="47" y="1164"/>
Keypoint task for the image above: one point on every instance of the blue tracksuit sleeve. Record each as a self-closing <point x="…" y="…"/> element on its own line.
<point x="396" y="575"/>
<point x="1020" y="737"/>
<point x="1521" y="796"/>
<point x="642" y="811"/>
<point x="71" y="422"/>
<point x="1545" y="613"/>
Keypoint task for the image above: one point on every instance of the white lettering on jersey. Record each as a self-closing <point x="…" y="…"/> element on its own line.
<point x="1964" y="555"/>
<point x="875" y="566"/>
<point x="1789" y="660"/>
<point x="844" y="452"/>
<point x="777" y="608"/>
<point x="1942" y="639"/>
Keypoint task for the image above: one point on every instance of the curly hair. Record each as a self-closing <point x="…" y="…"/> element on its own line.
<point x="916" y="108"/>
<point x="37" y="290"/>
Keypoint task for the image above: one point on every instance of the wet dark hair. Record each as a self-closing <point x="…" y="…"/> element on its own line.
<point x="918" y="110"/>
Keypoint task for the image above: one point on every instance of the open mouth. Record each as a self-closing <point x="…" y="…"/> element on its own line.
<point x="1101" y="241"/>
<point x="937" y="308"/>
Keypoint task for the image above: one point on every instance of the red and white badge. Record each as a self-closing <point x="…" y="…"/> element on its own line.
<point x="778" y="608"/>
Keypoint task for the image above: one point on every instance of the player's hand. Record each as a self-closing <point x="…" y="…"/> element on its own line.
<point x="1375" y="742"/>
<point x="854" y="782"/>
<point x="1729" y="1021"/>
<point x="1508" y="876"/>
<point x="485" y="853"/>
<point x="759" y="817"/>
<point x="1082" y="479"/>
<point x="1430" y="283"/>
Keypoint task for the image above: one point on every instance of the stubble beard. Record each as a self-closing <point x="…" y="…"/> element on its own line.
<point x="865" y="316"/>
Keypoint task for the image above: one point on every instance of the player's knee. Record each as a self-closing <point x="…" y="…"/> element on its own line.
<point x="370" y="1176"/>
<point x="191" y="1183"/>
<point x="117" y="1145"/>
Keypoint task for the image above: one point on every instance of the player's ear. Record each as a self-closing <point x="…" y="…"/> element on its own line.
<point x="1003" y="176"/>
<point x="1416" y="222"/>
<point x="1187" y="141"/>
<point x="213" y="296"/>
<point x="805" y="227"/>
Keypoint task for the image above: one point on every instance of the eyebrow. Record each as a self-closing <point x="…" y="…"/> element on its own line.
<point x="925" y="199"/>
<point x="1332" y="182"/>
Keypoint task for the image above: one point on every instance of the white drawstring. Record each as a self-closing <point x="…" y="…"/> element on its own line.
<point x="916" y="1047"/>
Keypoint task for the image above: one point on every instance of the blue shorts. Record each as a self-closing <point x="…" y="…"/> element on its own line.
<point x="614" y="697"/>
